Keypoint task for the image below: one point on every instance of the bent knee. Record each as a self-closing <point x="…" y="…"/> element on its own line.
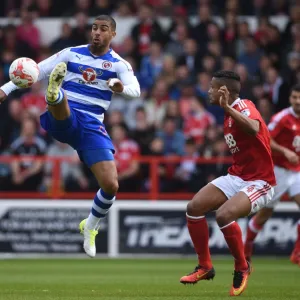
<point x="224" y="217"/>
<point x="110" y="186"/>
<point x="194" y="209"/>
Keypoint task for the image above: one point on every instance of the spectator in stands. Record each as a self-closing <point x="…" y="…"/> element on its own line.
<point x="186" y="174"/>
<point x="197" y="122"/>
<point x="156" y="105"/>
<point x="14" y="47"/>
<point x="228" y="63"/>
<point x="276" y="89"/>
<point x="80" y="33"/>
<point x="82" y="6"/>
<point x="144" y="132"/>
<point x="174" y="46"/>
<point x="10" y="123"/>
<point x="199" y="32"/>
<point x="294" y="18"/>
<point x="151" y="65"/>
<point x="114" y="118"/>
<point x="264" y="64"/>
<point x="173" y="111"/>
<point x="168" y="71"/>
<point x="230" y="33"/>
<point x="243" y="34"/>
<point x="72" y="177"/>
<point x="191" y="57"/>
<point x="271" y="45"/>
<point x="123" y="10"/>
<point x="293" y="67"/>
<point x="172" y="137"/>
<point x="147" y="30"/>
<point x="46" y="8"/>
<point x="101" y="7"/>
<point x="209" y="64"/>
<point x="127" y="152"/>
<point x="27" y="31"/>
<point x="265" y="108"/>
<point x="27" y="175"/>
<point x="247" y="82"/>
<point x="34" y="101"/>
<point x="251" y="56"/>
<point x="65" y="39"/>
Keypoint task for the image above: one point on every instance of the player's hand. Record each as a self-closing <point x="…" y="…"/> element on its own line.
<point x="2" y="96"/>
<point x="291" y="156"/>
<point x="115" y="85"/>
<point x="224" y="98"/>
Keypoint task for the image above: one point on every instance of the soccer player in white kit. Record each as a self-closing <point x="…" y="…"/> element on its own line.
<point x="81" y="84"/>
<point x="285" y="134"/>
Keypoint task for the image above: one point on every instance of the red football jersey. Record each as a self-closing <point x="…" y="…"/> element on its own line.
<point x="252" y="158"/>
<point x="285" y="130"/>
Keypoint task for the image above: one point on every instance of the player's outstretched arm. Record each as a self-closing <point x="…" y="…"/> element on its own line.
<point x="248" y="125"/>
<point x="126" y="84"/>
<point x="46" y="66"/>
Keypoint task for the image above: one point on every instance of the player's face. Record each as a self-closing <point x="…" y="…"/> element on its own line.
<point x="102" y="33"/>
<point x="295" y="101"/>
<point x="213" y="92"/>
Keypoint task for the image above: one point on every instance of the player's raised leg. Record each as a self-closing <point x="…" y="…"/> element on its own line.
<point x="236" y="207"/>
<point x="55" y="96"/>
<point x="255" y="225"/>
<point x="295" y="256"/>
<point x="207" y="199"/>
<point x="106" y="174"/>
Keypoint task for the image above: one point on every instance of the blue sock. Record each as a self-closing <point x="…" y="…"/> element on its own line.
<point x="101" y="205"/>
<point x="59" y="98"/>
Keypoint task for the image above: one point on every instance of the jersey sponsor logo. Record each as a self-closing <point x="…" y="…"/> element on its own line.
<point x="106" y="65"/>
<point x="245" y="112"/>
<point x="296" y="143"/>
<point x="89" y="75"/>
<point x="231" y="143"/>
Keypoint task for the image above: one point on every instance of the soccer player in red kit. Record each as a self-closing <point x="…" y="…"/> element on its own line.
<point x="247" y="188"/>
<point x="285" y="143"/>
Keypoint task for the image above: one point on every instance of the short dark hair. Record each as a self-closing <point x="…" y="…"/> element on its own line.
<point x="110" y="19"/>
<point x="230" y="79"/>
<point x="227" y="74"/>
<point x="296" y="88"/>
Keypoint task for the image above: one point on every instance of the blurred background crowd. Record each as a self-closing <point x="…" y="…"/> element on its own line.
<point x="174" y="67"/>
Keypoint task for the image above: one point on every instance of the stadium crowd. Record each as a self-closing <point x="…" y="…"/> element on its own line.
<point x="174" y="67"/>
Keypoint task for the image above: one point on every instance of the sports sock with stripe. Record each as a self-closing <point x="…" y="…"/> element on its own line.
<point x="101" y="205"/>
<point x="59" y="98"/>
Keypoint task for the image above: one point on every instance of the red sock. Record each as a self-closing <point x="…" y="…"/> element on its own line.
<point x="252" y="231"/>
<point x="199" y="233"/>
<point x="297" y="244"/>
<point x="233" y="236"/>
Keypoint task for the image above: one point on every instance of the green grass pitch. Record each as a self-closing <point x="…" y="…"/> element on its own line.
<point x="129" y="279"/>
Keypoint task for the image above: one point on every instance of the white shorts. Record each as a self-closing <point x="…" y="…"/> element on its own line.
<point x="287" y="181"/>
<point x="259" y="192"/>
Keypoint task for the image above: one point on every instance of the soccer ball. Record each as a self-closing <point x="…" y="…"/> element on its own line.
<point x="24" y="72"/>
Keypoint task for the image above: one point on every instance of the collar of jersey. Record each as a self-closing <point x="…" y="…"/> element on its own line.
<point x="104" y="56"/>
<point x="235" y="102"/>
<point x="293" y="113"/>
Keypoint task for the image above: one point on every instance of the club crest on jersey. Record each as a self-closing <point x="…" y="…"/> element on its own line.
<point x="89" y="74"/>
<point x="106" y="65"/>
<point x="245" y="112"/>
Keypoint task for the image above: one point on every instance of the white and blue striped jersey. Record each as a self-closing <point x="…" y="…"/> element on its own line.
<point x="86" y="80"/>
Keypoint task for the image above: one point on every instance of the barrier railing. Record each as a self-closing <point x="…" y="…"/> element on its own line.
<point x="154" y="193"/>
